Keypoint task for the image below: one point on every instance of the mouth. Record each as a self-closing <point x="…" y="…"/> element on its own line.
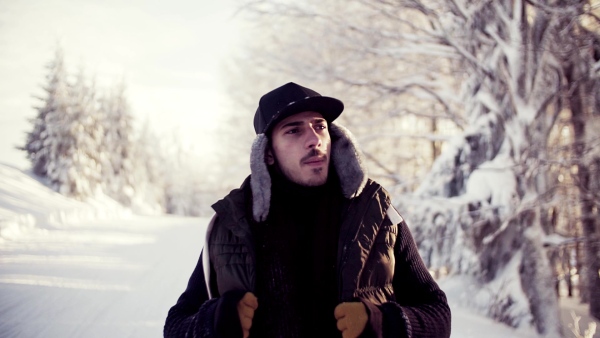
<point x="315" y="161"/>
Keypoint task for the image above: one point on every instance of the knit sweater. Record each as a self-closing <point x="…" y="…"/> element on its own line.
<point x="296" y="255"/>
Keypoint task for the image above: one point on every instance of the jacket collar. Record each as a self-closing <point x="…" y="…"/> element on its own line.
<point x="345" y="155"/>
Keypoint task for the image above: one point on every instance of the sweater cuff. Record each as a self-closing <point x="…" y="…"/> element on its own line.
<point x="374" y="328"/>
<point x="395" y="321"/>
<point x="227" y="320"/>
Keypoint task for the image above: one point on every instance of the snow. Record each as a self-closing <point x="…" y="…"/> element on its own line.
<point x="504" y="291"/>
<point x="556" y="240"/>
<point x="98" y="271"/>
<point x="577" y="317"/>
<point x="101" y="279"/>
<point x="493" y="181"/>
<point x="488" y="101"/>
<point x="467" y="324"/>
<point x="27" y="205"/>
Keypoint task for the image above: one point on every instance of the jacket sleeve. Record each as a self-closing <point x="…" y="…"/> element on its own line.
<point x="421" y="309"/>
<point x="193" y="315"/>
<point x="196" y="315"/>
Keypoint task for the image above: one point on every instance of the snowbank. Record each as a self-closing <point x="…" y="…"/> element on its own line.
<point x="28" y="205"/>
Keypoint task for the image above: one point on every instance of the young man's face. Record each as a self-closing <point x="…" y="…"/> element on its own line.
<point x="302" y="148"/>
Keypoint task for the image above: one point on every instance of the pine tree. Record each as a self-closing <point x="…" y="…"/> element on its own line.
<point x="62" y="146"/>
<point x="56" y="102"/>
<point x="82" y="137"/>
<point x="117" y="148"/>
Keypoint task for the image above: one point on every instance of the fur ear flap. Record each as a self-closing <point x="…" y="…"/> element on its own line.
<point x="347" y="161"/>
<point x="260" y="180"/>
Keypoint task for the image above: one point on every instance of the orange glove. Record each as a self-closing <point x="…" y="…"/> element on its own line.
<point x="351" y="318"/>
<point x="246" y="307"/>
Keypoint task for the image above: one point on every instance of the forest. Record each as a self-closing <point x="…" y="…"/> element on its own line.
<point x="480" y="117"/>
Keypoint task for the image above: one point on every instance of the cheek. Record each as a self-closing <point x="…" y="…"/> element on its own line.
<point x="278" y="151"/>
<point x="284" y="155"/>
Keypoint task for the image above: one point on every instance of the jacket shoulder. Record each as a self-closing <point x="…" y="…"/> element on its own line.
<point x="235" y="203"/>
<point x="375" y="190"/>
<point x="385" y="199"/>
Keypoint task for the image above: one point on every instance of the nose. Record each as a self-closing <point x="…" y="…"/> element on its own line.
<point x="313" y="139"/>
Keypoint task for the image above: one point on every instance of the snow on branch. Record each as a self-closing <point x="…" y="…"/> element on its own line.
<point x="468" y="56"/>
<point x="558" y="9"/>
<point x="429" y="137"/>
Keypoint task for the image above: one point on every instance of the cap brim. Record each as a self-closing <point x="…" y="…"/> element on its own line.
<point x="329" y="107"/>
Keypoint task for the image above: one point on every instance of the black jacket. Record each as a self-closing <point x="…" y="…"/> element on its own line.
<point x="378" y="264"/>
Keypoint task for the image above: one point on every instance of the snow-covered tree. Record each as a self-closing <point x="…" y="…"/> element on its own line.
<point x="149" y="170"/>
<point x="77" y="170"/>
<point x="580" y="59"/>
<point x="62" y="145"/>
<point x="184" y="180"/>
<point x="56" y="101"/>
<point x="82" y="144"/>
<point x="117" y="147"/>
<point x="493" y="179"/>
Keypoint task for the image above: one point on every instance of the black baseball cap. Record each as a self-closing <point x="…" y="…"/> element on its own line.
<point x="291" y="99"/>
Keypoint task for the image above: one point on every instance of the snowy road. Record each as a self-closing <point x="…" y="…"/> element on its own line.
<point x="110" y="279"/>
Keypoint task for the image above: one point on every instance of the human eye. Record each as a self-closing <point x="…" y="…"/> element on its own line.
<point x="321" y="126"/>
<point x="292" y="131"/>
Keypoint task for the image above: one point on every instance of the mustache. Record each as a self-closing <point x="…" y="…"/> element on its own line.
<point x="313" y="153"/>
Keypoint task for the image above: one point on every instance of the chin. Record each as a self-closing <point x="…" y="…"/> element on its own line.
<point x="313" y="178"/>
<point x="314" y="181"/>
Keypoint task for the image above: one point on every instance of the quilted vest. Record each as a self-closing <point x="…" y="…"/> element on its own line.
<point x="365" y="248"/>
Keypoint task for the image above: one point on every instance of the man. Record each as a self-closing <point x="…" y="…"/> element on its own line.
<point x="308" y="246"/>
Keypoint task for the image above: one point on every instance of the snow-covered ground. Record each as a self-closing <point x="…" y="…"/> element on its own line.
<point x="27" y="205"/>
<point x="71" y="269"/>
<point x="99" y="279"/>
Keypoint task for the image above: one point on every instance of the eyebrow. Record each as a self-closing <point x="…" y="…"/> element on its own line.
<point x="299" y="123"/>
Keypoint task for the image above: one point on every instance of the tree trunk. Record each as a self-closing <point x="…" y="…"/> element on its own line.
<point x="582" y="272"/>
<point x="435" y="145"/>
<point x="566" y="259"/>
<point x="592" y="232"/>
<point x="588" y="219"/>
<point x="537" y="281"/>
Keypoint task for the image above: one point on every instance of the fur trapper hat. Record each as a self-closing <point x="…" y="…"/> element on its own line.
<point x="345" y="156"/>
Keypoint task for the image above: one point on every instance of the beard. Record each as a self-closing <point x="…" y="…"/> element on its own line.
<point x="317" y="177"/>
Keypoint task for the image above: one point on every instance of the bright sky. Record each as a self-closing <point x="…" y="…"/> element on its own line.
<point x="170" y="54"/>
